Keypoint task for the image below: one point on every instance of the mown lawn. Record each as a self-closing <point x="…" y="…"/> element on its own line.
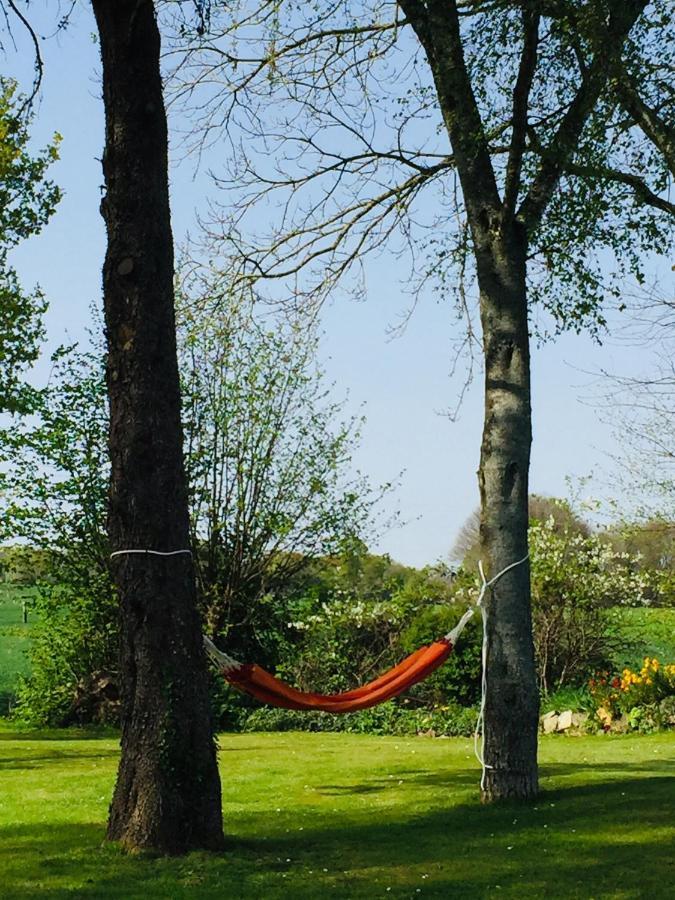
<point x="312" y="816"/>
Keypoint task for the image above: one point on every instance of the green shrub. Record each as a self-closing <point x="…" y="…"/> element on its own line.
<point x="667" y="710"/>
<point x="458" y="679"/>
<point x="387" y="719"/>
<point x="229" y="708"/>
<point x="74" y="637"/>
<point x="577" y="699"/>
<point x="646" y="719"/>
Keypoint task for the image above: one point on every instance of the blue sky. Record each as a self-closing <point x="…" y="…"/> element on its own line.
<point x="404" y="382"/>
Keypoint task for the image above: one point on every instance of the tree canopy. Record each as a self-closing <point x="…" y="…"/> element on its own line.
<point x="358" y="153"/>
<point x="27" y="201"/>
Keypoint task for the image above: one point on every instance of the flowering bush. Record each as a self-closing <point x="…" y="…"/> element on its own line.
<point x="653" y="683"/>
<point x="605" y="692"/>
<point x="577" y="582"/>
<point x="640" y="701"/>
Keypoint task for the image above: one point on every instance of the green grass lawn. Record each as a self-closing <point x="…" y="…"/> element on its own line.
<point x="313" y="816"/>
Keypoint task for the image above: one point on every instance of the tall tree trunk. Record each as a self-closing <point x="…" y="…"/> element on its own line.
<point x="500" y="249"/>
<point x="167" y="795"/>
<point x="512" y="701"/>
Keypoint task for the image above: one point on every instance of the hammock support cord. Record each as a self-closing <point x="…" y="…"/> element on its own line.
<point x="479" y="732"/>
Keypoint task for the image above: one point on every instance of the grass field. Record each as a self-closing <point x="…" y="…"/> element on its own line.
<point x="652" y="631"/>
<point x="14" y="642"/>
<point x="313" y="816"/>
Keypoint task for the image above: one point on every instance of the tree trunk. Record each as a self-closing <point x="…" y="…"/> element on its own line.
<point x="500" y="248"/>
<point x="512" y="700"/>
<point x="167" y="795"/>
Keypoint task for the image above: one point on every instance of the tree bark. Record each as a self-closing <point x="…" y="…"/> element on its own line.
<point x="512" y="700"/>
<point x="167" y="795"/>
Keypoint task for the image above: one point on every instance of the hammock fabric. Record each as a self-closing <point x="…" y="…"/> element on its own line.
<point x="254" y="680"/>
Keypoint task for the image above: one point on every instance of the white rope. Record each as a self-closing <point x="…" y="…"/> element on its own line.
<point x="453" y="635"/>
<point x="149" y="552"/>
<point x="224" y="661"/>
<point x="479" y="732"/>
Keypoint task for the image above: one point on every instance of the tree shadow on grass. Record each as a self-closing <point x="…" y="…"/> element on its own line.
<point x="102" y="733"/>
<point x="42" y="760"/>
<point x="451" y="779"/>
<point x="604" y="839"/>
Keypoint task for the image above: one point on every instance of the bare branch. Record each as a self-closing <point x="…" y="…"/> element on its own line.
<point x="657" y="129"/>
<point x="295" y="250"/>
<point x="39" y="66"/>
<point x="521" y="97"/>
<point x="565" y="141"/>
<point x="437" y="27"/>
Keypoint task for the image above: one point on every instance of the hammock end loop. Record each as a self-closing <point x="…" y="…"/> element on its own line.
<point x="224" y="662"/>
<point x="453" y="636"/>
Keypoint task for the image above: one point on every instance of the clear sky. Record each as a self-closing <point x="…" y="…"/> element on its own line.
<point x="404" y="383"/>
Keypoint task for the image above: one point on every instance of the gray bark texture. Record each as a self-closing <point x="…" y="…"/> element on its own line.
<point x="500" y="231"/>
<point x="512" y="699"/>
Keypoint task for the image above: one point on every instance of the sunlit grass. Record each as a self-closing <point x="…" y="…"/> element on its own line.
<point x="352" y="816"/>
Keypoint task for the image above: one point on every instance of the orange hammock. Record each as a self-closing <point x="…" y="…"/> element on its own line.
<point x="254" y="680"/>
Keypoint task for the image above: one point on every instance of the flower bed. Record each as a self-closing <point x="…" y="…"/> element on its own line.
<point x="642" y="701"/>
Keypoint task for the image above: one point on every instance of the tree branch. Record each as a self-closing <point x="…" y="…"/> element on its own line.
<point x="281" y="259"/>
<point x="521" y="96"/>
<point x="437" y="27"/>
<point x="659" y="132"/>
<point x="39" y="66"/>
<point x="566" y="139"/>
<point x="640" y="187"/>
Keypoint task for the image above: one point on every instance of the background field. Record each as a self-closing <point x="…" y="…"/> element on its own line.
<point x="652" y="631"/>
<point x="14" y="641"/>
